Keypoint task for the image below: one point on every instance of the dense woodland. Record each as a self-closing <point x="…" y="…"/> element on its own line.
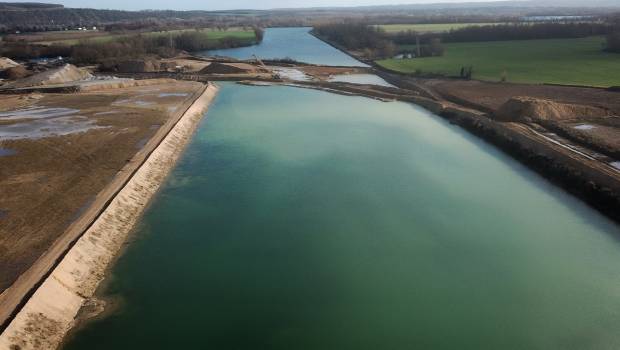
<point x="552" y="30"/>
<point x="358" y="37"/>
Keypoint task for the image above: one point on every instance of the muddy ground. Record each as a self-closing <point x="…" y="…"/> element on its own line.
<point x="57" y="151"/>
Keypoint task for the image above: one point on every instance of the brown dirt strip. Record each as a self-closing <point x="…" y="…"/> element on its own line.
<point x="13" y="298"/>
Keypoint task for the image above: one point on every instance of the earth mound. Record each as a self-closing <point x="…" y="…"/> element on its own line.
<point x="14" y="73"/>
<point x="521" y="108"/>
<point x="6" y="63"/>
<point x="61" y="75"/>
<point x="230" y="68"/>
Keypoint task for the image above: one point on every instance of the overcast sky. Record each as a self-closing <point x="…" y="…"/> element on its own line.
<point x="226" y="4"/>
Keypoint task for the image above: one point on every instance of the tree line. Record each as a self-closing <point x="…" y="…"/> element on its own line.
<point x="371" y="41"/>
<point x="519" y="31"/>
<point x="139" y="46"/>
<point x="374" y="43"/>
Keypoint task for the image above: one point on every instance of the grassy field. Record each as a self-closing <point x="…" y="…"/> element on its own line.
<point x="425" y="28"/>
<point x="211" y="33"/>
<point x="559" y="61"/>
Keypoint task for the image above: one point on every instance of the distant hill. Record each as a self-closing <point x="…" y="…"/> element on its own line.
<point x="43" y="17"/>
<point x="24" y="6"/>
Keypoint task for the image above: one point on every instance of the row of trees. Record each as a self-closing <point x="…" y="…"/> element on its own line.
<point x="551" y="30"/>
<point x="369" y="40"/>
<point x="138" y="46"/>
<point x="613" y="42"/>
<point x="376" y="43"/>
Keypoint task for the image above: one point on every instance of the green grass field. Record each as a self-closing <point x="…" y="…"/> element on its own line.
<point x="211" y="33"/>
<point x="559" y="61"/>
<point x="426" y="28"/>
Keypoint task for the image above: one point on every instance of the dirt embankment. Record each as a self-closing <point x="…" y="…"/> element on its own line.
<point x="528" y="109"/>
<point x="59" y="154"/>
<point x="50" y="312"/>
<point x="570" y="135"/>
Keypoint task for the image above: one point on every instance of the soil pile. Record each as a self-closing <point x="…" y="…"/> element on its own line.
<point x="6" y="63"/>
<point x="61" y="75"/>
<point x="230" y="68"/>
<point x="14" y="73"/>
<point x="522" y="108"/>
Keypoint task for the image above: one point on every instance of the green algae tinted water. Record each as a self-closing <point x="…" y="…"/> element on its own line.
<point x="299" y="219"/>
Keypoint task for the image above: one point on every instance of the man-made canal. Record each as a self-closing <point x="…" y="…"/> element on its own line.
<point x="300" y="219"/>
<point x="295" y="43"/>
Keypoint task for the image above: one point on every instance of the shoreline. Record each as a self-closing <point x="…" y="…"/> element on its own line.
<point x="49" y="313"/>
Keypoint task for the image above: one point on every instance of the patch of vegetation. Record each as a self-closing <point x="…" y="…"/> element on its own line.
<point x="369" y="40"/>
<point x="429" y="27"/>
<point x="213" y="35"/>
<point x="561" y="61"/>
<point x="527" y="31"/>
<point x="160" y="45"/>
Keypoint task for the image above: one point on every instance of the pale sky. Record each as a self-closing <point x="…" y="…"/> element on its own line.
<point x="227" y="4"/>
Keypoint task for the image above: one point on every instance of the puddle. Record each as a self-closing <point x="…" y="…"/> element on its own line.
<point x="7" y="152"/>
<point x="173" y="94"/>
<point x="292" y="73"/>
<point x="154" y="126"/>
<point x="140" y="103"/>
<point x="47" y="127"/>
<point x="3" y="213"/>
<point x="584" y="127"/>
<point x="37" y="113"/>
<point x="615" y="165"/>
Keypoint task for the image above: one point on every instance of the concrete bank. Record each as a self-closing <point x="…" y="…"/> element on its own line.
<point x="50" y="312"/>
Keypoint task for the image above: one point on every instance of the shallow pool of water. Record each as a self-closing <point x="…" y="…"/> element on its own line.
<point x="37" y="113"/>
<point x="296" y="43"/>
<point x="173" y="94"/>
<point x="40" y="128"/>
<point x="299" y="219"/>
<point x="584" y="127"/>
<point x="7" y="152"/>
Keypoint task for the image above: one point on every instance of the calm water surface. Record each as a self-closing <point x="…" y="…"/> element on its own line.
<point x="299" y="219"/>
<point x="294" y="43"/>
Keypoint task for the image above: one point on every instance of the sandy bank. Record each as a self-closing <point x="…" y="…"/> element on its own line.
<point x="49" y="313"/>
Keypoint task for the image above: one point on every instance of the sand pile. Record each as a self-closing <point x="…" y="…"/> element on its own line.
<point x="6" y="63"/>
<point x="522" y="108"/>
<point x="61" y="75"/>
<point x="230" y="68"/>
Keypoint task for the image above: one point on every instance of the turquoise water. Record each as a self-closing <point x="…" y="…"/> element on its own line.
<point x="294" y="43"/>
<point x="299" y="219"/>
